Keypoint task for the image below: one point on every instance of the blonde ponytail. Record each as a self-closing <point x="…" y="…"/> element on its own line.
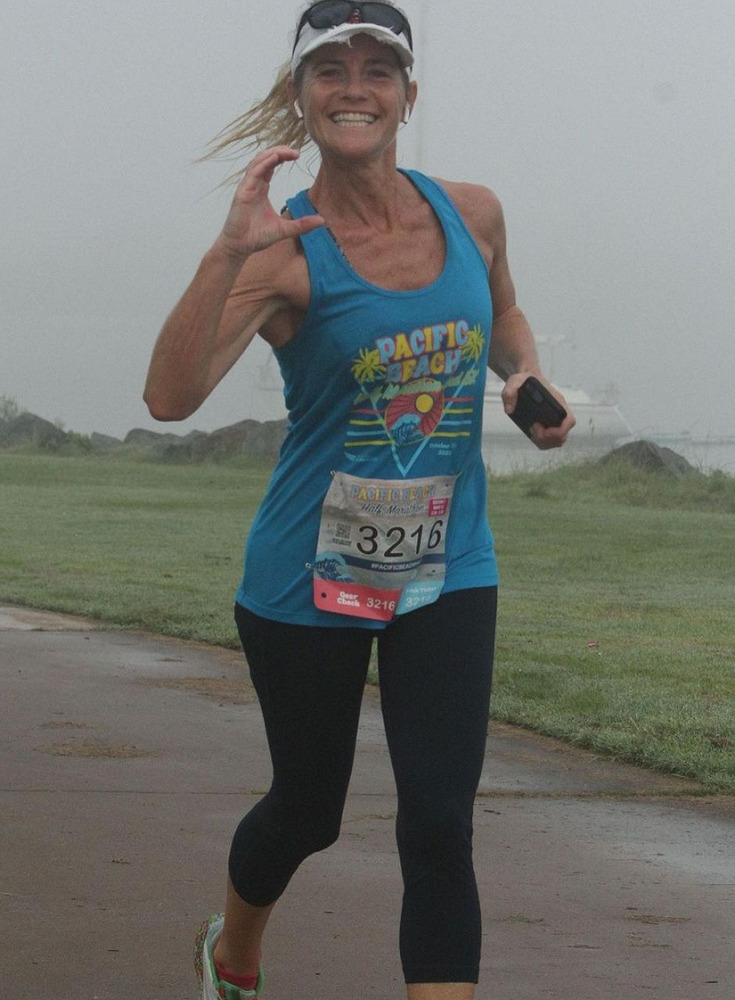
<point x="270" y="122"/>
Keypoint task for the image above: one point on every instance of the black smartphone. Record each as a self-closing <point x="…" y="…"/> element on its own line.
<point x="536" y="405"/>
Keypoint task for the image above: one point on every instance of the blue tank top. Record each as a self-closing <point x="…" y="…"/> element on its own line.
<point x="378" y="383"/>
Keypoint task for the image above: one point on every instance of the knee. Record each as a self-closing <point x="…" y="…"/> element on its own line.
<point x="320" y="839"/>
<point x="438" y="834"/>
<point x="307" y="831"/>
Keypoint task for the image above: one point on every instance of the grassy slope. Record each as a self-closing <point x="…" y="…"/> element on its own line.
<point x="617" y="622"/>
<point x="618" y="588"/>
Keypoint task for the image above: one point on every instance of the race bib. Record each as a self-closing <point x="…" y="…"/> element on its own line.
<point x="381" y="547"/>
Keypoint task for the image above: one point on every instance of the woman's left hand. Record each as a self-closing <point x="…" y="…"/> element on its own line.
<point x="543" y="437"/>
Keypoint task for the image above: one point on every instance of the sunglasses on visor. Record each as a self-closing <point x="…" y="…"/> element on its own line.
<point x="330" y="13"/>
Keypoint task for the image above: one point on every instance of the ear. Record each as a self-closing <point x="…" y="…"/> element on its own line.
<point x="411" y="95"/>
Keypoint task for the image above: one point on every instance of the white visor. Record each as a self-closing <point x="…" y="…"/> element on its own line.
<point x="311" y="39"/>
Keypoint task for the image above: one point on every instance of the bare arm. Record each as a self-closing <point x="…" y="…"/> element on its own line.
<point x="195" y="348"/>
<point x="238" y="287"/>
<point x="513" y="355"/>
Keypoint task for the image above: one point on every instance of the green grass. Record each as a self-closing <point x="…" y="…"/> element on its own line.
<point x="134" y="543"/>
<point x="617" y="623"/>
<point x="617" y="628"/>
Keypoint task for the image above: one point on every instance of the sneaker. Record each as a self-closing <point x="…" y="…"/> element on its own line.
<point x="213" y="988"/>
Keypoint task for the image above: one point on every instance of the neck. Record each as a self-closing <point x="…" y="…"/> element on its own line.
<point x="371" y="194"/>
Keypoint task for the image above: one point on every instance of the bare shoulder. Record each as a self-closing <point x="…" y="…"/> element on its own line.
<point x="270" y="294"/>
<point x="277" y="275"/>
<point x="481" y="211"/>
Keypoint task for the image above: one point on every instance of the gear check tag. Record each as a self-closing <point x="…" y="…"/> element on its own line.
<point x="381" y="547"/>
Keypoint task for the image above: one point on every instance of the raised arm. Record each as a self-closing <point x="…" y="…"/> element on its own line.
<point x="239" y="286"/>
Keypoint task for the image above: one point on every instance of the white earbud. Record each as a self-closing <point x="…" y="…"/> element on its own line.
<point x="406" y="114"/>
<point x="297" y="110"/>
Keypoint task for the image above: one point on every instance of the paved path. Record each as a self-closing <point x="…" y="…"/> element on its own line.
<point x="127" y="759"/>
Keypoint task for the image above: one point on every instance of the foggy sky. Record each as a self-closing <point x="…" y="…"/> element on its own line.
<point x="606" y="130"/>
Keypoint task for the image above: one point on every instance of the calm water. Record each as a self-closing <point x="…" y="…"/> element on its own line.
<point x="505" y="457"/>
<point x="707" y="455"/>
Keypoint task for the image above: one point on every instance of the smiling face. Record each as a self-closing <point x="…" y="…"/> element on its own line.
<point x="354" y="97"/>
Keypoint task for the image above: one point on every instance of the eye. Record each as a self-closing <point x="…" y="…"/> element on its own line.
<point x="380" y="72"/>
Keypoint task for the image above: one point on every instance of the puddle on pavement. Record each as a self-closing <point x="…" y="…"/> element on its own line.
<point x="223" y="689"/>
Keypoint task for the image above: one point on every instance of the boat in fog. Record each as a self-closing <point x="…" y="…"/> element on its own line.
<point x="600" y="427"/>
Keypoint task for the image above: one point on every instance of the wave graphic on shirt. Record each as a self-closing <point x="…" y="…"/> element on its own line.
<point x="405" y="417"/>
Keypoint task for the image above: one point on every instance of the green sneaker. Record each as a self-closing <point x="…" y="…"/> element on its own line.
<point x="212" y="988"/>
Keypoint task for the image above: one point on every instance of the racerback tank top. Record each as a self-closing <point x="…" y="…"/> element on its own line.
<point x="378" y="383"/>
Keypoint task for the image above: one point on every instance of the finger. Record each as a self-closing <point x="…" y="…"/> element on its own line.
<point x="287" y="152"/>
<point x="309" y="222"/>
<point x="279" y="152"/>
<point x="551" y="437"/>
<point x="261" y="168"/>
<point x="546" y="438"/>
<point x="293" y="228"/>
<point x="509" y="395"/>
<point x="269" y="159"/>
<point x="259" y="173"/>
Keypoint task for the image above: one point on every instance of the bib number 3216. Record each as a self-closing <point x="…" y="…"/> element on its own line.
<point x="381" y="548"/>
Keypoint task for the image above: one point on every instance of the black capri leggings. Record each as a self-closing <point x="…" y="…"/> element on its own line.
<point x="435" y="673"/>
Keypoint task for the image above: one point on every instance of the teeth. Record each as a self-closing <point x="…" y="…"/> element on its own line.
<point x="353" y="118"/>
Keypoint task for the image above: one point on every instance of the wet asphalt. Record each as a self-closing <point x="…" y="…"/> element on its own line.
<point x="127" y="759"/>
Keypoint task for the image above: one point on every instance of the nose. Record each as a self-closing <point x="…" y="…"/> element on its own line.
<point x="353" y="84"/>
